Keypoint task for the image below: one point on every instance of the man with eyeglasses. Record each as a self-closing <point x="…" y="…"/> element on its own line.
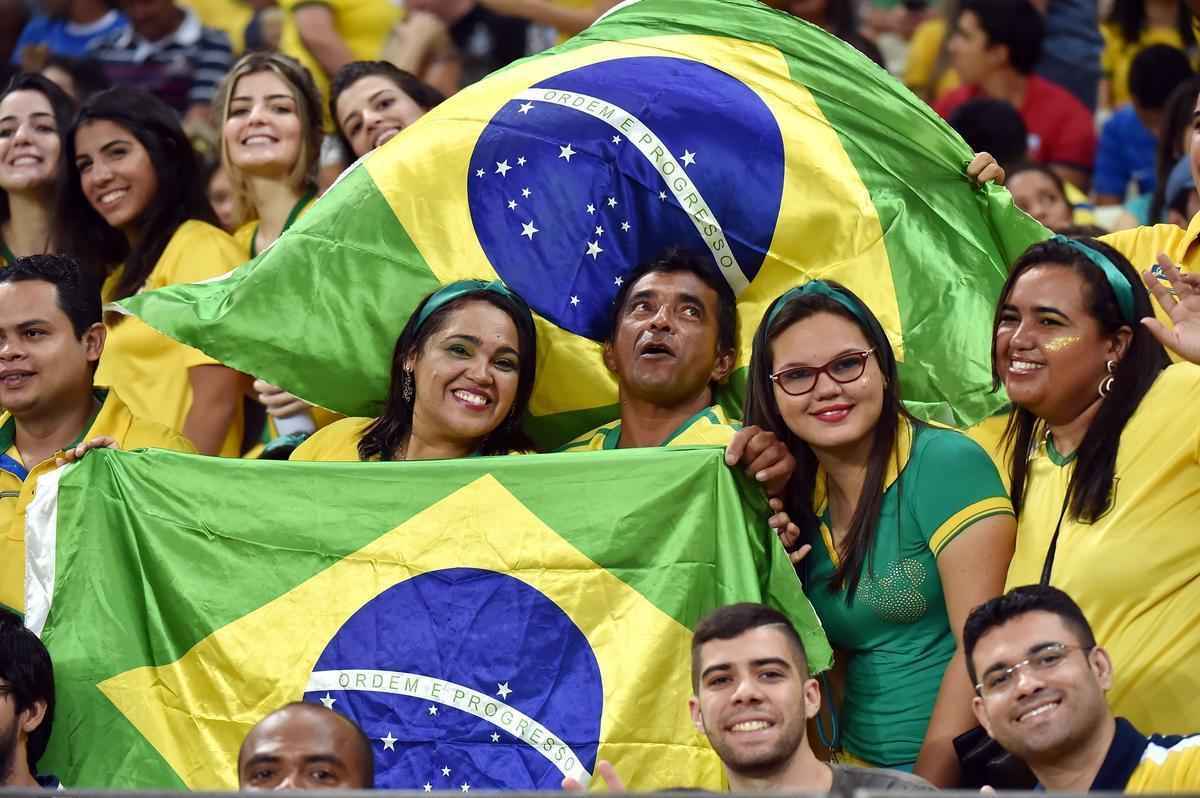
<point x="1040" y="680"/>
<point x="26" y="705"/>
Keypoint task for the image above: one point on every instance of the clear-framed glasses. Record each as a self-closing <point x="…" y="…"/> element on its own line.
<point x="1047" y="658"/>
<point x="799" y="380"/>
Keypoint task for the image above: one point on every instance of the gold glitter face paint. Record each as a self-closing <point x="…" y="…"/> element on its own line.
<point x="1059" y="344"/>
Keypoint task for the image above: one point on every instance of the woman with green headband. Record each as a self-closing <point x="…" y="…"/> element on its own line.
<point x="907" y="526"/>
<point x="462" y="374"/>
<point x="1103" y="447"/>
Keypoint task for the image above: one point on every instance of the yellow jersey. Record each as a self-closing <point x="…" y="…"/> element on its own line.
<point x="923" y="52"/>
<point x="337" y="442"/>
<point x="150" y="369"/>
<point x="245" y="235"/>
<point x="18" y="483"/>
<point x="1119" y="54"/>
<point x="1135" y="572"/>
<point x="364" y="26"/>
<point x="230" y="16"/>
<point x="709" y="427"/>
<point x="1136" y="763"/>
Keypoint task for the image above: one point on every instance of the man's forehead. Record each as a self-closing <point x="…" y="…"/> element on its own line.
<point x="673" y="283"/>
<point x="1014" y="638"/>
<point x="29" y="299"/>
<point x="762" y="642"/>
<point x="299" y="734"/>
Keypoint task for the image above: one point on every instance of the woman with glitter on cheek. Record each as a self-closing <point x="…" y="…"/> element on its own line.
<point x="1103" y="453"/>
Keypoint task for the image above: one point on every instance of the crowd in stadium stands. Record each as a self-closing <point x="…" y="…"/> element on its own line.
<point x="145" y="143"/>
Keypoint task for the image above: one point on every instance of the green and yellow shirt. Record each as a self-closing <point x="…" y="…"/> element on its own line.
<point x="708" y="427"/>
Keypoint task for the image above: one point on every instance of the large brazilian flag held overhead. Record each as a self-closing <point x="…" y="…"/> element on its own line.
<point x="490" y="623"/>
<point x="719" y="125"/>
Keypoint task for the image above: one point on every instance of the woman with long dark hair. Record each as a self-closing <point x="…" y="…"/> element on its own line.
<point x="132" y="209"/>
<point x="462" y="374"/>
<point x="1103" y="448"/>
<point x="909" y="525"/>
<point x="34" y="113"/>
<point x="372" y="101"/>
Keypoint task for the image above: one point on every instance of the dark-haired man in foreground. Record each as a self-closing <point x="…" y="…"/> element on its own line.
<point x="26" y="705"/>
<point x="753" y="699"/>
<point x="1040" y="679"/>
<point x="305" y="747"/>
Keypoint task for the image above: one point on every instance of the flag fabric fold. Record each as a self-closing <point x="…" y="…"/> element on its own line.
<point x="509" y="620"/>
<point x="721" y="126"/>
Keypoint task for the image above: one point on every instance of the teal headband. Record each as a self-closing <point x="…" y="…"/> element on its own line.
<point x="452" y="291"/>
<point x="1115" y="278"/>
<point x="822" y="288"/>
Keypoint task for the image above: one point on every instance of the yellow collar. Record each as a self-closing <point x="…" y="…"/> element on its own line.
<point x="901" y="452"/>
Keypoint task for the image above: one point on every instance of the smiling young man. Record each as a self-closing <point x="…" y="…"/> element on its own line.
<point x="51" y="337"/>
<point x="305" y="747"/>
<point x="673" y="338"/>
<point x="1040" y="679"/>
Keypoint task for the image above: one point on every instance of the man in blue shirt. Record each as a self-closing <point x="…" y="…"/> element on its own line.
<point x="68" y="27"/>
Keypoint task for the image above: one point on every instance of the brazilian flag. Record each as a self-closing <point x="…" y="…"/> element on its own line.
<point x="490" y="623"/>
<point x="719" y="125"/>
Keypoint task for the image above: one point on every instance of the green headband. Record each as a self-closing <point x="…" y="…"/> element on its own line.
<point x="1116" y="280"/>
<point x="822" y="288"/>
<point x="452" y="291"/>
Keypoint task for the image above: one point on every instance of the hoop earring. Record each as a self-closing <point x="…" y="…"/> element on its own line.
<point x="1106" y="384"/>
<point x="406" y="386"/>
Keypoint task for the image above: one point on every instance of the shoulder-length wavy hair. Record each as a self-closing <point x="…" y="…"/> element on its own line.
<point x="387" y="433"/>
<point x="82" y="232"/>
<point x="762" y="409"/>
<point x="1091" y="483"/>
<point x="303" y="176"/>
<point x="61" y="105"/>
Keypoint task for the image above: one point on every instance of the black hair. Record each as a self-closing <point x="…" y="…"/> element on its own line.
<point x="1090" y="488"/>
<point x="681" y="261"/>
<point x="1177" y="123"/>
<point x="387" y="433"/>
<point x="1021" y="601"/>
<point x="1130" y="16"/>
<point x="181" y="196"/>
<point x="1040" y="168"/>
<point x="78" y="292"/>
<point x="61" y="104"/>
<point x="420" y="92"/>
<point x="1016" y="24"/>
<point x="1156" y="72"/>
<point x="363" y="750"/>
<point x="25" y="667"/>
<point x="734" y="620"/>
<point x="86" y="73"/>
<point x="762" y="409"/>
<point x="992" y="126"/>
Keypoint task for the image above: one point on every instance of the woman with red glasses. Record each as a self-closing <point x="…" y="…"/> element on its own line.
<point x="907" y="527"/>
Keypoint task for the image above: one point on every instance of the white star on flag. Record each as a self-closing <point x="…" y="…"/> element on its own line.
<point x="521" y="161"/>
<point x="662" y="195"/>
<point x="594" y="249"/>
<point x="591" y="209"/>
<point x="512" y="205"/>
<point x="599" y="231"/>
<point x="328" y="701"/>
<point x="525" y="108"/>
<point x="574" y="301"/>
<point x="617" y="281"/>
<point x="689" y="158"/>
<point x="433" y="710"/>
<point x="465" y="787"/>
<point x="525" y="192"/>
<point x="445" y="771"/>
<point x="612" y="202"/>
<point x="566" y="152"/>
<point x="479" y="173"/>
<point x="428" y="787"/>
<point x="502" y="690"/>
<point x="389" y="742"/>
<point x="502" y="168"/>
<point x="616" y="139"/>
<point x="495" y="737"/>
<point x="625" y="226"/>
<point x="529" y="231"/>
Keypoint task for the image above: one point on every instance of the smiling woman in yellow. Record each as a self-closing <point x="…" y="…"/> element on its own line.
<point x="133" y="210"/>
<point x="462" y="375"/>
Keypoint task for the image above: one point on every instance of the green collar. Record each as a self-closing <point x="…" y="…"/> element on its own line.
<point x="293" y="215"/>
<point x="1055" y="456"/>
<point x="612" y="436"/>
<point x="8" y="432"/>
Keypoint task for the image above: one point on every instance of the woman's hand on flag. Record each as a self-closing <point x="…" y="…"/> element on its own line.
<point x="789" y="533"/>
<point x="606" y="771"/>
<point x="983" y="167"/>
<point x="76" y="452"/>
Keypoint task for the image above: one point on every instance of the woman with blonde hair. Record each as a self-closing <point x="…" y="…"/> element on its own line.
<point x="270" y="144"/>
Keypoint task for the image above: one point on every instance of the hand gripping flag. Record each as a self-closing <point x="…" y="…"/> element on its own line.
<point x="490" y="623"/>
<point x="718" y="125"/>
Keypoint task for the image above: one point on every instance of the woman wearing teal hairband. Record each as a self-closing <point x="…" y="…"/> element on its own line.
<point x="1103" y="447"/>
<point x="907" y="526"/>
<point x="462" y="375"/>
